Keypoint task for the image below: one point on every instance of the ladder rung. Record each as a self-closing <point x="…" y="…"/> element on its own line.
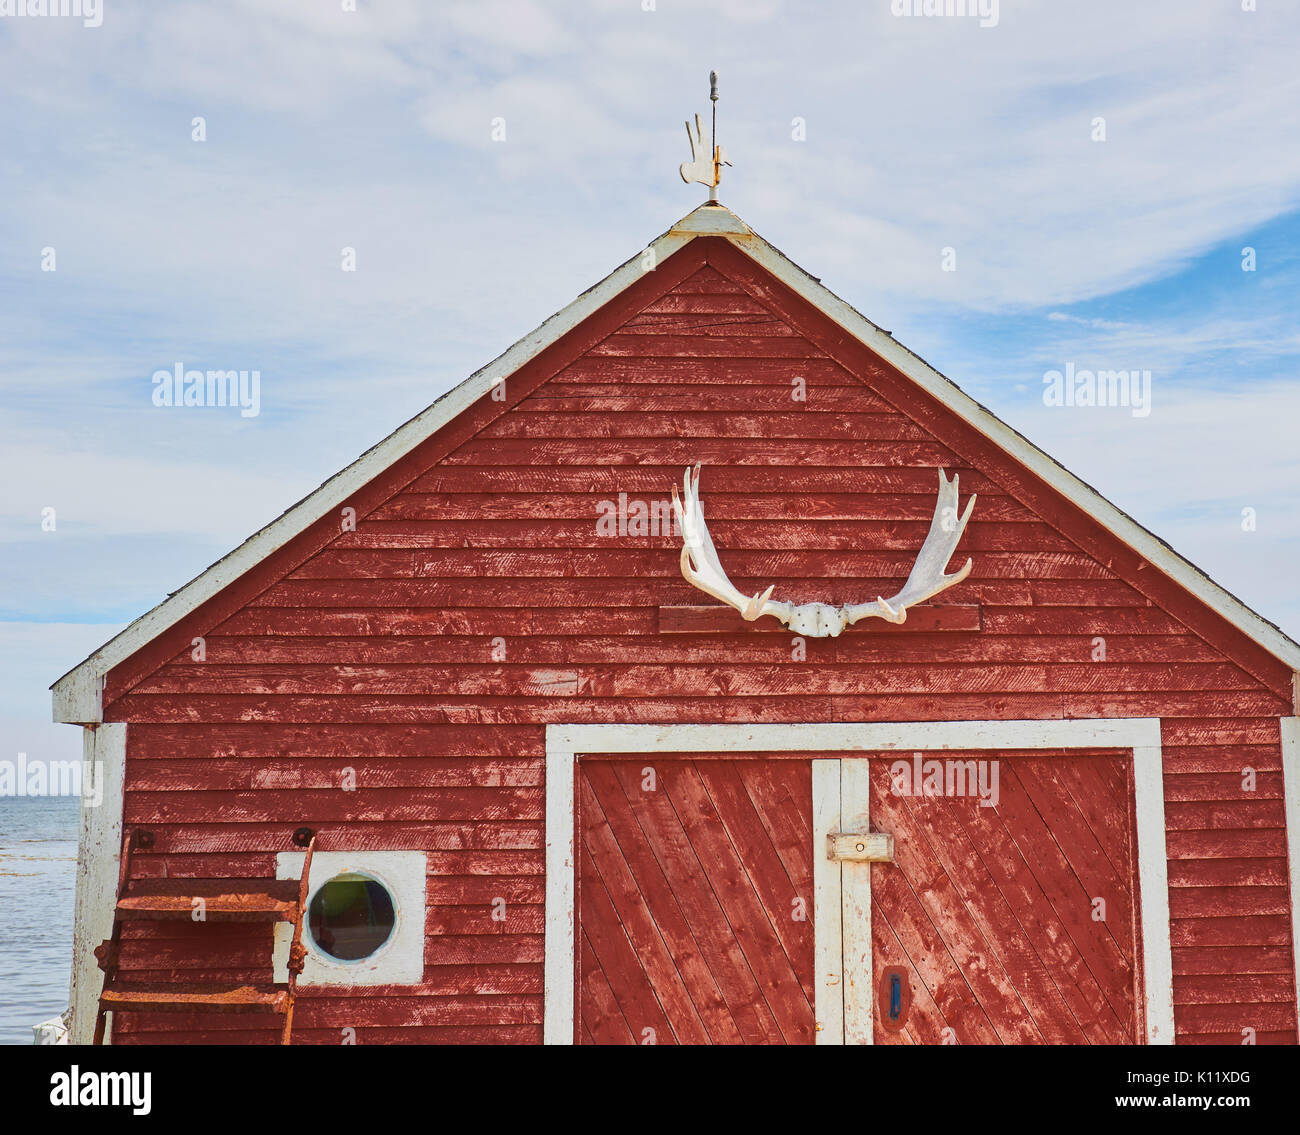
<point x="151" y="997"/>
<point x="224" y="900"/>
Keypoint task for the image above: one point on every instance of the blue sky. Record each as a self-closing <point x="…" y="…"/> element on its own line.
<point x="372" y="130"/>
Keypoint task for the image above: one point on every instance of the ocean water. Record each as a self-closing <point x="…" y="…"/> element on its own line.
<point x="38" y="867"/>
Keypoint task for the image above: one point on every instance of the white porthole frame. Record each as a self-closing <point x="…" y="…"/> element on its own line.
<point x="400" y="959"/>
<point x="565" y="744"/>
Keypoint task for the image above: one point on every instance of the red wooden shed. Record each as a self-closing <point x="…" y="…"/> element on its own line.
<point x="551" y="791"/>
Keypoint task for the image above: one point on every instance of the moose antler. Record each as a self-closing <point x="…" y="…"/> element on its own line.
<point x="702" y="568"/>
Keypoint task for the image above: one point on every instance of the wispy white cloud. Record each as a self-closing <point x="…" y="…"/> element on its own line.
<point x="1094" y="324"/>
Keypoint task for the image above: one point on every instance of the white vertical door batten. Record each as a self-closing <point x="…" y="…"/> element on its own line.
<point x="828" y="942"/>
<point x="855" y="885"/>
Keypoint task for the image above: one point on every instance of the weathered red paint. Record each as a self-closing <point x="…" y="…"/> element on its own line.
<point x="990" y="909"/>
<point x="373" y="650"/>
<point x="690" y="872"/>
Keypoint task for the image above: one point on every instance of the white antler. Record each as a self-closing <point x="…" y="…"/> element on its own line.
<point x="700" y="563"/>
<point x="927" y="578"/>
<point x="702" y="568"/>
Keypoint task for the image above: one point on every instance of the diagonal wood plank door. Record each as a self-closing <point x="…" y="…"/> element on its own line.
<point x="1013" y="923"/>
<point x="695" y="907"/>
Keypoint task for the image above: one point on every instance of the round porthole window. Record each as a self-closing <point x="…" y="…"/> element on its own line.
<point x="351" y="916"/>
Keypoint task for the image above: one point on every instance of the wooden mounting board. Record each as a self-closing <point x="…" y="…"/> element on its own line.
<point x="716" y="619"/>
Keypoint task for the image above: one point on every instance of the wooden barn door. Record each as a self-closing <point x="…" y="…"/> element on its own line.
<point x="1007" y="922"/>
<point x="1013" y="923"/>
<point x="695" y="901"/>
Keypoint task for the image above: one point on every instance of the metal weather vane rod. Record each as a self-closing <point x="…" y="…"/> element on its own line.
<point x="713" y="135"/>
<point x="706" y="162"/>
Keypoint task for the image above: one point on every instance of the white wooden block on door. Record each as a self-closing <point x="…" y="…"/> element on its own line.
<point x="861" y="847"/>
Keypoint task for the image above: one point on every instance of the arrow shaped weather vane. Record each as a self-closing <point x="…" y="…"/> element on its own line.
<point x="703" y="167"/>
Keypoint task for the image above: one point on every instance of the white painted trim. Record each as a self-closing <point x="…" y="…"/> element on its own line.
<point x="99" y="854"/>
<point x="855" y="897"/>
<point x="828" y="938"/>
<point x="400" y="960"/>
<point x="1070" y="733"/>
<point x="558" y="1022"/>
<point x="1291" y="795"/>
<point x="1153" y="882"/>
<point x="1141" y="735"/>
<point x="77" y="695"/>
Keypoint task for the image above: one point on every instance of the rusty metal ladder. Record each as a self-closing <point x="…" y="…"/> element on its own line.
<point x="222" y="900"/>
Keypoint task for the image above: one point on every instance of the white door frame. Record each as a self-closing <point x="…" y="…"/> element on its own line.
<point x="845" y="965"/>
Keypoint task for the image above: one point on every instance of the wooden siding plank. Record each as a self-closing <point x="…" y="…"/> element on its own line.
<point x="906" y="644"/>
<point x="595" y="477"/>
<point x="770" y="706"/>
<point x="806" y="424"/>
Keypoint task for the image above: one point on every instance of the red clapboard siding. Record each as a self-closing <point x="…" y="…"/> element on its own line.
<point x="477" y="601"/>
<point x="910" y="647"/>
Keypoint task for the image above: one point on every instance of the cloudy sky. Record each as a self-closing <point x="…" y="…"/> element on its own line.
<point x="373" y="130"/>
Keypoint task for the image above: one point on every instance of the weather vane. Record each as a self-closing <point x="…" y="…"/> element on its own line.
<point x="702" y="167"/>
